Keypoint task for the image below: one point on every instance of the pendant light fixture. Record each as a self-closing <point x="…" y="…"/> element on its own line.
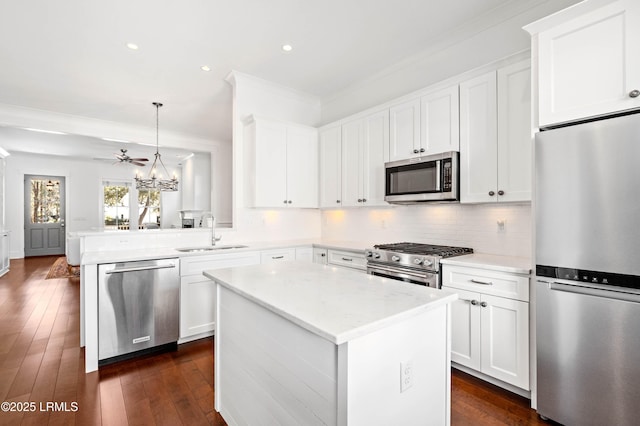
<point x="153" y="182"/>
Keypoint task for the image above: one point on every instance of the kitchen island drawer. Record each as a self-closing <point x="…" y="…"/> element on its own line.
<point x="349" y="259"/>
<point x="510" y="285"/>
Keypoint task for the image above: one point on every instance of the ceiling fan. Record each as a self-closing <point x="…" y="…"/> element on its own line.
<point x="124" y="158"/>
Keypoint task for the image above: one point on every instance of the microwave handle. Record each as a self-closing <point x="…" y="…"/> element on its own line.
<point x="438" y="183"/>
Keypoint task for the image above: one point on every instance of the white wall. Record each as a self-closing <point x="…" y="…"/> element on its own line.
<point x="83" y="179"/>
<point x="458" y="52"/>
<point x="454" y="224"/>
<point x="253" y="96"/>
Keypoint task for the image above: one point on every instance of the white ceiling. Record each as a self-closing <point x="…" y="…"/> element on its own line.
<point x="71" y="57"/>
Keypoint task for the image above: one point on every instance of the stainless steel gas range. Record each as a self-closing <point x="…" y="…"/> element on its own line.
<point x="410" y="262"/>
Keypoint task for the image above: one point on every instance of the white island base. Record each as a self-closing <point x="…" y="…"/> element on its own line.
<point x="293" y="347"/>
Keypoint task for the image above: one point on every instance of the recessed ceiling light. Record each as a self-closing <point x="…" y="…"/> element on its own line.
<point x="53" y="132"/>
<point x="132" y="46"/>
<point x="287" y="47"/>
<point x="205" y="68"/>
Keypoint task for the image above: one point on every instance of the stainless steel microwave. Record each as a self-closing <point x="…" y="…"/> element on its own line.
<point x="422" y="179"/>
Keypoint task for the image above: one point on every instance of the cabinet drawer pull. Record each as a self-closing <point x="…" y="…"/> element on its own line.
<point x="277" y="257"/>
<point x="473" y="280"/>
<point x="346" y="259"/>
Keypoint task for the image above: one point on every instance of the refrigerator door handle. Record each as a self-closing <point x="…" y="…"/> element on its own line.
<point x="597" y="292"/>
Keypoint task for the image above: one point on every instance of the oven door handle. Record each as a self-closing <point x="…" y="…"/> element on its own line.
<point x="400" y="273"/>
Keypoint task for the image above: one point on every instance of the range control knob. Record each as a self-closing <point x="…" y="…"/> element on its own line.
<point x="418" y="261"/>
<point x="376" y="255"/>
<point x="369" y="253"/>
<point x="395" y="258"/>
<point x="427" y="262"/>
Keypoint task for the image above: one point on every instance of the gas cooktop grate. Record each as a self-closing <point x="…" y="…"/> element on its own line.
<point x="424" y="249"/>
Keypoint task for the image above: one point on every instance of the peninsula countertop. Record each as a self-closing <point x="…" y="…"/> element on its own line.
<point x="334" y="303"/>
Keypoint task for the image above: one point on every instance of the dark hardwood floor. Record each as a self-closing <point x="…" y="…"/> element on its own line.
<point x="42" y="369"/>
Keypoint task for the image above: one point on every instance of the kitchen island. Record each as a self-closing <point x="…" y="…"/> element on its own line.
<point x="299" y="343"/>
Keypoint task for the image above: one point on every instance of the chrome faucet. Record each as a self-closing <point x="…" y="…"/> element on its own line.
<point x="214" y="239"/>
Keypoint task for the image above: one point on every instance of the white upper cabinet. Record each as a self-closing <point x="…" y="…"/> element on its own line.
<point x="405" y="130"/>
<point x="589" y="64"/>
<point x="352" y="158"/>
<point x="495" y="136"/>
<point x="331" y="167"/>
<point x="440" y="122"/>
<point x="365" y="145"/>
<point x="426" y="125"/>
<point x="515" y="134"/>
<point x="478" y="139"/>
<point x="282" y="164"/>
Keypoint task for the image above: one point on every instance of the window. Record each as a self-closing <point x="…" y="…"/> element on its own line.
<point x="148" y="209"/>
<point x="115" y="211"/>
<point x="45" y="201"/>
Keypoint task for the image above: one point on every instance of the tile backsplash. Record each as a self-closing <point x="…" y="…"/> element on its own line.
<point x="477" y="226"/>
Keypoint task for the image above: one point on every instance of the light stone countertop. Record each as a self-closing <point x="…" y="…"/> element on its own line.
<point x="334" y="303"/>
<point x="511" y="264"/>
<point x="112" y="256"/>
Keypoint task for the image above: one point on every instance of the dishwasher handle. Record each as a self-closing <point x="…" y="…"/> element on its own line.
<point x="597" y="292"/>
<point x="140" y="268"/>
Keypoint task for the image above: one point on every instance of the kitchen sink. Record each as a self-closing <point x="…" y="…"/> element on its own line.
<point x="209" y="248"/>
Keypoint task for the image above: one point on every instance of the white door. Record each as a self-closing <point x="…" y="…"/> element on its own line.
<point x="270" y="164"/>
<point x="331" y="167"/>
<point x="44" y="219"/>
<point x="352" y="135"/>
<point x="465" y="329"/>
<point x="590" y="64"/>
<point x="302" y="167"/>
<point x="375" y="152"/>
<point x="404" y="126"/>
<point x="440" y="121"/>
<point x="478" y="139"/>
<point x="515" y="133"/>
<point x="505" y="340"/>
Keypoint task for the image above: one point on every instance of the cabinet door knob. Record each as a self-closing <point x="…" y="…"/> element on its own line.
<point x="364" y="200"/>
<point x="483" y="304"/>
<point x="359" y="200"/>
<point x="501" y="192"/>
<point x="415" y="151"/>
<point x="634" y="93"/>
<point x="285" y="201"/>
<point x="421" y="149"/>
<point x="289" y="201"/>
<point x="491" y="193"/>
<point x="474" y="302"/>
<point x="338" y="201"/>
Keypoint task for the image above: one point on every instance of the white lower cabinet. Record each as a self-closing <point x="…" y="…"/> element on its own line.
<point x="490" y="332"/>
<point x="198" y="293"/>
<point x="349" y="259"/>
<point x="275" y="255"/>
<point x="320" y="255"/>
<point x="304" y="254"/>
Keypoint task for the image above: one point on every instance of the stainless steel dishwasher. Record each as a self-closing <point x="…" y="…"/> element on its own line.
<point x="138" y="308"/>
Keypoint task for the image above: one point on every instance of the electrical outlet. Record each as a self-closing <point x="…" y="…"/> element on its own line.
<point x="406" y="375"/>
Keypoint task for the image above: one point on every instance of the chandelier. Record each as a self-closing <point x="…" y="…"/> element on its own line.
<point x="153" y="182"/>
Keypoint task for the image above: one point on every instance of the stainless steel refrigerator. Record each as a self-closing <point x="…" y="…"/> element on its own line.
<point x="587" y="220"/>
